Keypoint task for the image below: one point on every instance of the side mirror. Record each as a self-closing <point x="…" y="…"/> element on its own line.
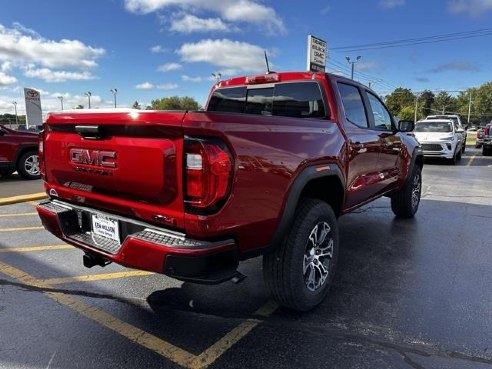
<point x="406" y="125"/>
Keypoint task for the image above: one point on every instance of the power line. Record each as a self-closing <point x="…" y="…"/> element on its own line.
<point x="416" y="41"/>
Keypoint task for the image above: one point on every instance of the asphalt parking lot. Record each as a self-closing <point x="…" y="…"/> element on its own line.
<point x="407" y="294"/>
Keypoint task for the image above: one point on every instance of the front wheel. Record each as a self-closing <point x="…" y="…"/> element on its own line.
<point x="405" y="202"/>
<point x="299" y="272"/>
<point x="28" y="165"/>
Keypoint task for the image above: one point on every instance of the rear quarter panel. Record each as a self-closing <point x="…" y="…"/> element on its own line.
<point x="269" y="153"/>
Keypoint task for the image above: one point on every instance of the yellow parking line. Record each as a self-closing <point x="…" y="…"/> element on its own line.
<point x="22" y="198"/>
<point x="136" y="335"/>
<point x="215" y="351"/>
<point x="37" y="248"/>
<point x="16" y="229"/>
<point x="96" y="277"/>
<point x="21" y="229"/>
<point x="139" y="336"/>
<point x="17" y="215"/>
<point x="470" y="161"/>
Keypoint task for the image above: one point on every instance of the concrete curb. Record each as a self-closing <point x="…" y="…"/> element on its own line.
<point x="22" y="198"/>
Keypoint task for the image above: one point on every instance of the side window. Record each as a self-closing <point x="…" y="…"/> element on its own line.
<point x="299" y="100"/>
<point x="382" y="119"/>
<point x="231" y="100"/>
<point x="353" y="105"/>
<point x="259" y="101"/>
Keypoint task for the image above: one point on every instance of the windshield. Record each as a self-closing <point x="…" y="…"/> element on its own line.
<point x="433" y="127"/>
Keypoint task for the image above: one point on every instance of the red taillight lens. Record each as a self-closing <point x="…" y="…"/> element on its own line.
<point x="208" y="173"/>
<point x="486" y="130"/>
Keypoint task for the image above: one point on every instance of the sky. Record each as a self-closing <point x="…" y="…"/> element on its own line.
<point x="150" y="49"/>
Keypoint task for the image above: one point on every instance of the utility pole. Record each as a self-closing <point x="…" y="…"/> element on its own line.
<point x="352" y="63"/>
<point x="61" y="101"/>
<point x="89" y="94"/>
<point x="114" y="91"/>
<point x="15" y="109"/>
<point x="417" y="96"/>
<point x="469" y="107"/>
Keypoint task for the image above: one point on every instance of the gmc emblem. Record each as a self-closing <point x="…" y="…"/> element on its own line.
<point x="99" y="158"/>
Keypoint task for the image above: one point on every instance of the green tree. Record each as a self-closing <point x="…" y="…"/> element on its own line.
<point x="444" y="103"/>
<point x="407" y="113"/>
<point x="426" y="99"/>
<point x="174" y="103"/>
<point x="482" y="102"/>
<point x="399" y="99"/>
<point x="136" y="105"/>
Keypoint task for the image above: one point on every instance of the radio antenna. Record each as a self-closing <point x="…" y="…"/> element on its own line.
<point x="266" y="61"/>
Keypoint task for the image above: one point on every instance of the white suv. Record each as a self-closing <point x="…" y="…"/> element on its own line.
<point x="439" y="138"/>
<point x="458" y="126"/>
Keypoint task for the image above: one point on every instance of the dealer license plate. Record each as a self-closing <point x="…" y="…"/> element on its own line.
<point x="105" y="227"/>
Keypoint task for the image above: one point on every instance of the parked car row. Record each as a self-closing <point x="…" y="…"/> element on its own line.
<point x="486" y="140"/>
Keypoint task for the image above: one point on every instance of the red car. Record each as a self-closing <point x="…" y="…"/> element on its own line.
<point x="19" y="152"/>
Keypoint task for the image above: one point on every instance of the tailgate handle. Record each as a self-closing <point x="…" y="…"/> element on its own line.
<point x="90" y="132"/>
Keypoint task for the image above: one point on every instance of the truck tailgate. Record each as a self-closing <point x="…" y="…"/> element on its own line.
<point x="127" y="162"/>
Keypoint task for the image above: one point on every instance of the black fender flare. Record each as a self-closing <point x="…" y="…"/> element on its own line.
<point x="417" y="153"/>
<point x="303" y="178"/>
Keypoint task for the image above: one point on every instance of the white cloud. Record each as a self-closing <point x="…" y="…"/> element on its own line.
<point x="169" y="67"/>
<point x="6" y="80"/>
<point x="25" y="46"/>
<point x="167" y="86"/>
<point x="390" y="4"/>
<point x="49" y="75"/>
<point x="474" y="8"/>
<point x="224" y="53"/>
<point x="190" y="23"/>
<point x="5" y="66"/>
<point x="231" y="10"/>
<point x="186" y="78"/>
<point x="144" y="86"/>
<point x="158" y="49"/>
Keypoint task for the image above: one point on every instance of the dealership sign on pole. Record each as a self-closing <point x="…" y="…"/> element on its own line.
<point x="34" y="115"/>
<point x="316" y="54"/>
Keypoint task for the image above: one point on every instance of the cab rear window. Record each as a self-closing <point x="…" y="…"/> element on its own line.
<point x="295" y="99"/>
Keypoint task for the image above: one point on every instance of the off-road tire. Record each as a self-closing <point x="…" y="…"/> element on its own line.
<point x="28" y="165"/>
<point x="405" y="202"/>
<point x="291" y="271"/>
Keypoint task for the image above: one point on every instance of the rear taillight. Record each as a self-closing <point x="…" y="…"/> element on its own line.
<point x="42" y="169"/>
<point x="208" y="174"/>
<point x="486" y="130"/>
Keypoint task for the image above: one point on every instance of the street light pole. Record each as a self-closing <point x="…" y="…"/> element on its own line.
<point x="61" y="101"/>
<point x="114" y="91"/>
<point x="89" y="94"/>
<point x="352" y="63"/>
<point x="15" y="109"/>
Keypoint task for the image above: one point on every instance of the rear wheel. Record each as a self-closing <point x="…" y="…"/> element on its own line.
<point x="299" y="272"/>
<point x="405" y="202"/>
<point x="486" y="151"/>
<point x="28" y="165"/>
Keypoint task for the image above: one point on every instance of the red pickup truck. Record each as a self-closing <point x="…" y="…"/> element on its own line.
<point x="266" y="170"/>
